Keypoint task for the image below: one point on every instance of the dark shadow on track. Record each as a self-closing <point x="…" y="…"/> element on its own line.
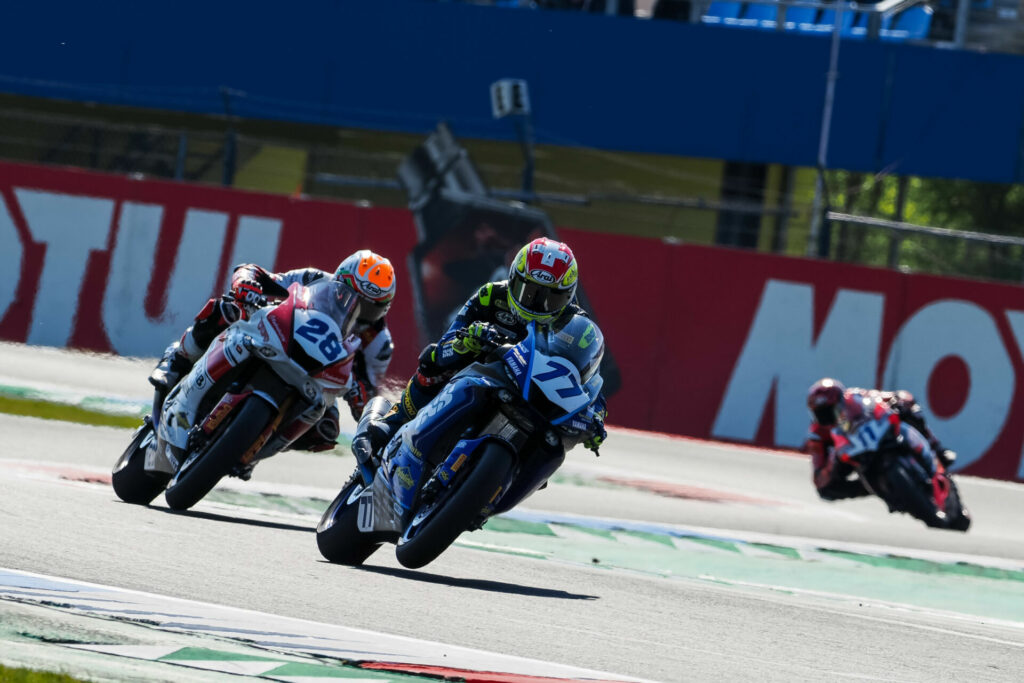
<point x="476" y="584"/>
<point x="236" y="520"/>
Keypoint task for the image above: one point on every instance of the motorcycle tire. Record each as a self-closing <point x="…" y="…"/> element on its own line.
<point x="910" y="497"/>
<point x="957" y="516"/>
<point x="190" y="485"/>
<point x="337" y="535"/>
<point x="458" y="510"/>
<point x="132" y="483"/>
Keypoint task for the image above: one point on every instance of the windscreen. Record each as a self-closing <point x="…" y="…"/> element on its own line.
<point x="580" y="341"/>
<point x="337" y="301"/>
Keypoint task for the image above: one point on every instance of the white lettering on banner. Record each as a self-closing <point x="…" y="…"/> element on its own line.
<point x="956" y="328"/>
<point x="780" y="351"/>
<point x="71" y="227"/>
<point x="11" y="253"/>
<point x="1016" y="320"/>
<point x="256" y="242"/>
<point x="191" y="283"/>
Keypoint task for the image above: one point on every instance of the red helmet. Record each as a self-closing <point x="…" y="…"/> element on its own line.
<point x="822" y="399"/>
<point x="542" y="280"/>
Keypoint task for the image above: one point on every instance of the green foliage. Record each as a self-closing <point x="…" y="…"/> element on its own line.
<point x="20" y="675"/>
<point x="61" y="411"/>
<point x="951" y="204"/>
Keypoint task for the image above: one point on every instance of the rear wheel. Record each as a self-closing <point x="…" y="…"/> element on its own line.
<point x="438" y="524"/>
<point x="196" y="478"/>
<point x="132" y="483"/>
<point x="338" y="536"/>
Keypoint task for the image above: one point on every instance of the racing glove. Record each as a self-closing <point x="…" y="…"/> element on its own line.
<point x="472" y="338"/>
<point x="597" y="437"/>
<point x="247" y="292"/>
<point x="599" y="434"/>
<point x="357" y="396"/>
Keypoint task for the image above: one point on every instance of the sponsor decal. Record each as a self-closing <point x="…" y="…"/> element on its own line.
<point x="588" y="336"/>
<point x="404" y="477"/>
<point x="566" y="337"/>
<point x="542" y="276"/>
<point x="262" y="327"/>
<point x="201" y="380"/>
<point x="216" y="417"/>
<point x="458" y="463"/>
<point x="506" y="318"/>
<point x="267" y="352"/>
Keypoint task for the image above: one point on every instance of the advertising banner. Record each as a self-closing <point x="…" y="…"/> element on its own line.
<point x="710" y="343"/>
<point x="117" y="264"/>
<point x="724" y="344"/>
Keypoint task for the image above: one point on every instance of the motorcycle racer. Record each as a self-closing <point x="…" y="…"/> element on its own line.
<point x="828" y="399"/>
<point x="370" y="275"/>
<point x="541" y="288"/>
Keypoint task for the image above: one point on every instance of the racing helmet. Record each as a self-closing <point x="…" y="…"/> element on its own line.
<point x="823" y="398"/>
<point x="542" y="280"/>
<point x="373" y="278"/>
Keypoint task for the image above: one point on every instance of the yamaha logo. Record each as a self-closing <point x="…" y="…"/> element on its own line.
<point x="542" y="276"/>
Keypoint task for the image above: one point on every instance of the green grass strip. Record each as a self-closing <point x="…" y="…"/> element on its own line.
<point x="61" y="411"/>
<point x="20" y="675"/>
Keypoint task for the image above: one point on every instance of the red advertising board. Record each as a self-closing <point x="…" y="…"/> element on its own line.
<point x="711" y="343"/>
<point x="723" y="344"/>
<point x="113" y="263"/>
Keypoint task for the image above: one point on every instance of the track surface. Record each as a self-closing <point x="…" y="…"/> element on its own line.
<point x="623" y="622"/>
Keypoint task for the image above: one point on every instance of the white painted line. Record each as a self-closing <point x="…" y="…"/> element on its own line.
<point x="285" y="634"/>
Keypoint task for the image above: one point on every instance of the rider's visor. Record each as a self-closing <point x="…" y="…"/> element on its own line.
<point x="538" y="299"/>
<point x="825" y="415"/>
<point x="372" y="311"/>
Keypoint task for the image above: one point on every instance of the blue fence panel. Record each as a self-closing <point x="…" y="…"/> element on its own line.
<point x="607" y="82"/>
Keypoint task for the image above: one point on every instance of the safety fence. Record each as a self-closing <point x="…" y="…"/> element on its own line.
<point x="709" y="342"/>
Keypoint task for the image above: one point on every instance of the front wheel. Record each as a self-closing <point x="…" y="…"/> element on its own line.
<point x="194" y="480"/>
<point x="338" y="536"/>
<point x="959" y="519"/>
<point x="132" y="483"/>
<point x="436" y="527"/>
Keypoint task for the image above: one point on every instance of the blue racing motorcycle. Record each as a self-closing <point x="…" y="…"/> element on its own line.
<point x="493" y="436"/>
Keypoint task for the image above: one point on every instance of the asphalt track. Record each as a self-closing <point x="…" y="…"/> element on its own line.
<point x="624" y="603"/>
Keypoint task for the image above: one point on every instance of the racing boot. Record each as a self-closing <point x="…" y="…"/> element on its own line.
<point x="173" y="365"/>
<point x="168" y="372"/>
<point x="372" y="434"/>
<point x="946" y="457"/>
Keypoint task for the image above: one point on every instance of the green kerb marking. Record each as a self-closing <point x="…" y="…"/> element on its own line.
<point x="928" y="566"/>
<point x="60" y="411"/>
<point x="791" y="553"/>
<point x="715" y="543"/>
<point x="593" y="531"/>
<point x="298" y="670"/>
<point x="647" y="536"/>
<point x="516" y="526"/>
<point x="193" y="654"/>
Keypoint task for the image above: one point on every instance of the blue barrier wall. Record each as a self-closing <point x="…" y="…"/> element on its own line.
<point x="606" y="82"/>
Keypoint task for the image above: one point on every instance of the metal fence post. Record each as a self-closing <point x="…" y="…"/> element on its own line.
<point x="179" y="163"/>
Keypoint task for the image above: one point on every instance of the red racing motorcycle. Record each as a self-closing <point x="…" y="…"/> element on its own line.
<point x="896" y="463"/>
